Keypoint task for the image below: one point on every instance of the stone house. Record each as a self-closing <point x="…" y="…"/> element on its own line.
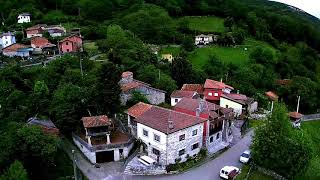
<point x="177" y="95"/>
<point x="217" y="129"/>
<point x="6" y="39"/>
<point x="101" y="141"/>
<point x="46" y="125"/>
<point x="70" y="44"/>
<point x="24" y="18"/>
<point x="167" y="136"/>
<point x="129" y="85"/>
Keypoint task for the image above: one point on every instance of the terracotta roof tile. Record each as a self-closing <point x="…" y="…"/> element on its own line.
<point x="39" y="41"/>
<point x="159" y="118"/>
<point x="239" y="98"/>
<point x="126" y="74"/>
<point x="212" y="84"/>
<point x="193" y="104"/>
<point x="128" y="86"/>
<point x="96" y="121"/>
<point x="272" y="96"/>
<point x="14" y="47"/>
<point x="181" y="94"/>
<point x="138" y="109"/>
<point x="295" y="115"/>
<point x="193" y="87"/>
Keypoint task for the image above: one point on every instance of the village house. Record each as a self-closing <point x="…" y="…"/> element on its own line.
<point x="217" y="129"/>
<point x="6" y="39"/>
<point x="46" y="125"/>
<point x="129" y="85"/>
<point x="167" y="57"/>
<point x="24" y="18"/>
<point x="295" y="119"/>
<point x="203" y="39"/>
<point x="70" y="44"/>
<point x="241" y="104"/>
<point x="56" y="30"/>
<point x="42" y="45"/>
<point x="36" y="31"/>
<point x="214" y="89"/>
<point x="193" y="87"/>
<point x="177" y="95"/>
<point x="167" y="136"/>
<point x="17" y="49"/>
<point x="101" y="140"/>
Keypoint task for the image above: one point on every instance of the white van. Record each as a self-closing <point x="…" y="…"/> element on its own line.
<point x="146" y="160"/>
<point x="229" y="172"/>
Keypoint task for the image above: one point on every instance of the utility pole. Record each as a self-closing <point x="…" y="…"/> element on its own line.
<point x="298" y="104"/>
<point x="81" y="67"/>
<point x="74" y="166"/>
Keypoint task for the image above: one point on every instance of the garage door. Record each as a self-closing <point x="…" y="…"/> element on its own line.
<point x="105" y="156"/>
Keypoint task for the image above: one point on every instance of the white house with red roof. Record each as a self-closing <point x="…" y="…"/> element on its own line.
<point x="101" y="141"/>
<point x="6" y="39"/>
<point x="177" y="95"/>
<point x="129" y="85"/>
<point x="214" y="89"/>
<point x="168" y="136"/>
<point x="241" y="104"/>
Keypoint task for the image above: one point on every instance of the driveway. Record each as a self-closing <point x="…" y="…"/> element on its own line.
<point x="208" y="171"/>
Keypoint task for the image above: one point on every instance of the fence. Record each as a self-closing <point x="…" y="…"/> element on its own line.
<point x="311" y="117"/>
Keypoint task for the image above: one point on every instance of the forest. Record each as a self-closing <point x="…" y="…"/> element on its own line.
<point x="124" y="29"/>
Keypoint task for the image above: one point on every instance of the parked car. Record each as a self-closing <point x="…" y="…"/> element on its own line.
<point x="146" y="160"/>
<point x="229" y="172"/>
<point x="245" y="156"/>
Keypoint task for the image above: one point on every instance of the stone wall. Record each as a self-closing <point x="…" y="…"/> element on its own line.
<point x="153" y="95"/>
<point x="174" y="145"/>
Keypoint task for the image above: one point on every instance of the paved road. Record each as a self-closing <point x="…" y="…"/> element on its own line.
<point x="208" y="171"/>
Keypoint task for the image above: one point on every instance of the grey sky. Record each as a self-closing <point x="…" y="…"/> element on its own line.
<point x="310" y="6"/>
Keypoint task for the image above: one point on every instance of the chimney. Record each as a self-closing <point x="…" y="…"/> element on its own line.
<point x="198" y="111"/>
<point x="126" y="77"/>
<point x="171" y="125"/>
<point x="221" y="80"/>
<point x="238" y="91"/>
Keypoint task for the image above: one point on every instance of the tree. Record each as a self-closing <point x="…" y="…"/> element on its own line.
<point x="181" y="71"/>
<point x="40" y="97"/>
<point x="136" y="98"/>
<point x="279" y="147"/>
<point x="16" y="171"/>
<point x="188" y="44"/>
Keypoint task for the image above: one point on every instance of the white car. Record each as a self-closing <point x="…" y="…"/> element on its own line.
<point x="245" y="156"/>
<point x="229" y="172"/>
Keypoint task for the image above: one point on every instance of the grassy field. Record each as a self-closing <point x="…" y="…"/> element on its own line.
<point x="169" y="50"/>
<point x="312" y="128"/>
<point x="91" y="48"/>
<point x="254" y="174"/>
<point x="206" y="23"/>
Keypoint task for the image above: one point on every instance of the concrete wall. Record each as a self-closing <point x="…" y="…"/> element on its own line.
<point x="174" y="145"/>
<point x="86" y="152"/>
<point x="237" y="108"/>
<point x="173" y="101"/>
<point x="23" y="19"/>
<point x="253" y="107"/>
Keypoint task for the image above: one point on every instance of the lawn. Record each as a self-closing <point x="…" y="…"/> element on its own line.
<point x="254" y="174"/>
<point x="312" y="128"/>
<point x="206" y="24"/>
<point x="237" y="56"/>
<point x="91" y="48"/>
<point x="174" y="50"/>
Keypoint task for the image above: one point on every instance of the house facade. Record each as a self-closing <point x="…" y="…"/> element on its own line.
<point x="241" y="104"/>
<point x="42" y="45"/>
<point x="214" y="89"/>
<point x="167" y="57"/>
<point x="177" y="95"/>
<point x="17" y="49"/>
<point x="101" y="141"/>
<point x="203" y="39"/>
<point x="6" y="39"/>
<point x="129" y="85"/>
<point x="36" y="31"/>
<point x="70" y="44"/>
<point x="168" y="136"/>
<point x="24" y="18"/>
<point x="56" y="30"/>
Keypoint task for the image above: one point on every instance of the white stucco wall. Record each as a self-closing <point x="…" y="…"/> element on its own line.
<point x="90" y="155"/>
<point x="150" y="139"/>
<point x="173" y="102"/>
<point x="24" y="19"/>
<point x="237" y="108"/>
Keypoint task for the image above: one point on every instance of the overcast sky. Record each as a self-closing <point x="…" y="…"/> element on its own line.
<point x="310" y="6"/>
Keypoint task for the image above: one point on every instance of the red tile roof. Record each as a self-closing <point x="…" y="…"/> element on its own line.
<point x="295" y="115"/>
<point x="239" y="98"/>
<point x="39" y="41"/>
<point x="126" y="74"/>
<point x="283" y="81"/>
<point x="14" y="47"/>
<point x="193" y="104"/>
<point x="158" y="118"/>
<point x="128" y="86"/>
<point x="138" y="109"/>
<point x="96" y="121"/>
<point x="272" y="96"/>
<point x="181" y="94"/>
<point x="212" y="84"/>
<point x="193" y="87"/>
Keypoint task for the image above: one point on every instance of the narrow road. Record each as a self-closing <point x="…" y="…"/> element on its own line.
<point x="208" y="171"/>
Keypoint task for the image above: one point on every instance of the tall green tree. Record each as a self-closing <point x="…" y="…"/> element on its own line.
<point x="16" y="171"/>
<point x="181" y="71"/>
<point x="279" y="147"/>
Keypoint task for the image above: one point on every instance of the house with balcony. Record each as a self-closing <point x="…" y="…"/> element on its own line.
<point x="217" y="129"/>
<point x="167" y="136"/>
<point x="129" y="85"/>
<point x="101" y="140"/>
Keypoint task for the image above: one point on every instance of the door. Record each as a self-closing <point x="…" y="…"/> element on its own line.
<point x="105" y="156"/>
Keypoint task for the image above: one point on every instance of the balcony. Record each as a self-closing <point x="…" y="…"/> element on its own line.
<point x="214" y="130"/>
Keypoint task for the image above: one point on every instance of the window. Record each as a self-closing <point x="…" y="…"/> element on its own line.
<point x="194" y="132"/>
<point x="156" y="151"/>
<point x="67" y="43"/>
<point x="175" y="100"/>
<point x="182" y="137"/>
<point x="145" y="133"/>
<point x="195" y="146"/>
<point x="218" y="135"/>
<point x="227" y="106"/>
<point x="181" y="152"/>
<point x="156" y="137"/>
<point x="210" y="94"/>
<point x="211" y="139"/>
<point x="216" y="94"/>
<point x="68" y="50"/>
